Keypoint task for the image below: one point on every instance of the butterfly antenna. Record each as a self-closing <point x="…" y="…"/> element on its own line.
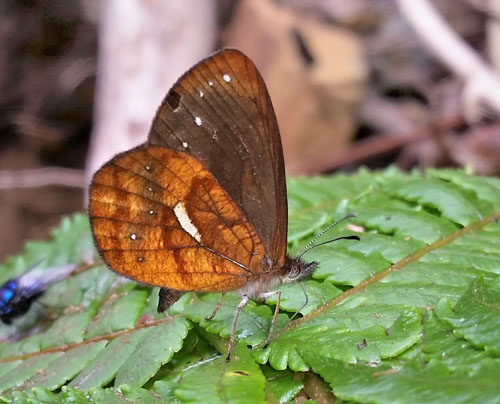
<point x="308" y="247"/>
<point x="328" y="242"/>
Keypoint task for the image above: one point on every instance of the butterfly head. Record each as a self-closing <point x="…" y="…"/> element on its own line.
<point x="295" y="269"/>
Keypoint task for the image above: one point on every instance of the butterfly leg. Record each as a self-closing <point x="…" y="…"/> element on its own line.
<point x="241" y="304"/>
<point x="275" y="315"/>
<point x="217" y="307"/>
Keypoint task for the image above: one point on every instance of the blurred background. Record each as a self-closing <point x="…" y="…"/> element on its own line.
<point x="354" y="83"/>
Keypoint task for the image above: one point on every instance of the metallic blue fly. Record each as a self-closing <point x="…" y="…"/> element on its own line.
<point x="17" y="294"/>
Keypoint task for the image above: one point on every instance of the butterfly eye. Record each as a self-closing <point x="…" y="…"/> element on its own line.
<point x="294" y="272"/>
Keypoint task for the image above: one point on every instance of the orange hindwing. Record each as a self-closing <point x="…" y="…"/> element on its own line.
<point x="161" y="218"/>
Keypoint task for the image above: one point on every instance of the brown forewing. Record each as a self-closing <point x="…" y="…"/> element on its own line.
<point x="132" y="201"/>
<point x="220" y="113"/>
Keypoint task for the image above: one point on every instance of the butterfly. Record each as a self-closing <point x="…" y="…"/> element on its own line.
<point x="17" y="294"/>
<point x="202" y="205"/>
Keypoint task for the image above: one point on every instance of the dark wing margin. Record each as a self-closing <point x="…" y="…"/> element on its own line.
<point x="220" y="113"/>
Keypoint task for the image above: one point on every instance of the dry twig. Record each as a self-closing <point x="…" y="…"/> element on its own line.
<point x="41" y="177"/>
<point x="482" y="85"/>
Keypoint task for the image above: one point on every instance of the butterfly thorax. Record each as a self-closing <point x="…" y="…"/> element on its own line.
<point x="293" y="270"/>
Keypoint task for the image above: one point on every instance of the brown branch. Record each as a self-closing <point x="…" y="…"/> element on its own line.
<point x="375" y="146"/>
<point x="42" y="177"/>
<point x="481" y="81"/>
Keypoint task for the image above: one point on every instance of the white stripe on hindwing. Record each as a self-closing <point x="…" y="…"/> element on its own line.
<point x="185" y="222"/>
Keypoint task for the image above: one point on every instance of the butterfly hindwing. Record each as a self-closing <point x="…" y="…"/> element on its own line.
<point x="160" y="218"/>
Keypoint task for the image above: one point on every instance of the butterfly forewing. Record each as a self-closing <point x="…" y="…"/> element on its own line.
<point x="220" y="113"/>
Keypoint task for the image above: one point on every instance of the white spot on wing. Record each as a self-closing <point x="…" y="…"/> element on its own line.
<point x="201" y="94"/>
<point x="210" y="83"/>
<point x="227" y="78"/>
<point x="133" y="236"/>
<point x="185" y="222"/>
<point x="185" y="144"/>
<point x="197" y="120"/>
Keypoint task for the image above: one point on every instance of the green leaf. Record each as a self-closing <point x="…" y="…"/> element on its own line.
<point x="442" y="344"/>
<point x="39" y="395"/>
<point x="333" y="338"/>
<point x="454" y="203"/>
<point x="476" y="315"/>
<point x="68" y="329"/>
<point x="26" y="369"/>
<point x="293" y="297"/>
<point x="410" y="383"/>
<point x="485" y="188"/>
<point x="403" y="223"/>
<point x="124" y="395"/>
<point x="281" y="384"/>
<point x="332" y="266"/>
<point x="119" y="314"/>
<point x="106" y="366"/>
<point x="253" y="323"/>
<point x="71" y="244"/>
<point x="196" y="351"/>
<point x="407" y="314"/>
<point x="65" y="366"/>
<point x="81" y="289"/>
<point x="219" y="381"/>
<point x="153" y="350"/>
<point x="136" y="395"/>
